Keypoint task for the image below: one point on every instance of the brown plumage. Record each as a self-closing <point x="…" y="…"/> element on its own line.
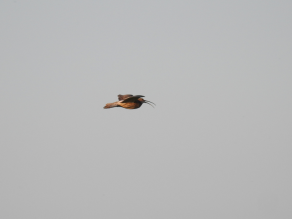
<point x="122" y="97"/>
<point x="128" y="101"/>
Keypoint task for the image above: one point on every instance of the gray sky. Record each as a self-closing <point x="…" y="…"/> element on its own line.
<point x="218" y="144"/>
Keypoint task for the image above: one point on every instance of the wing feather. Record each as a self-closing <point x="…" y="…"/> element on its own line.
<point x="132" y="99"/>
<point x="123" y="97"/>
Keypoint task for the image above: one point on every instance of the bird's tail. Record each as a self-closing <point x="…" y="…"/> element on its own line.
<point x="111" y="105"/>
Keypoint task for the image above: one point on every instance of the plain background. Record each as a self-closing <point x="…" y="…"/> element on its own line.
<point x="218" y="144"/>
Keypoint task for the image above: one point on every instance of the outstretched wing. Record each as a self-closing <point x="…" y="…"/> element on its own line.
<point x="123" y="97"/>
<point x="132" y="99"/>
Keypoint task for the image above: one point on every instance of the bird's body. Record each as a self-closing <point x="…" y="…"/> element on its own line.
<point x="131" y="105"/>
<point x="128" y="101"/>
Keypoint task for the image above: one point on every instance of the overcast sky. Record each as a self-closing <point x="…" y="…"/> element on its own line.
<point x="217" y="145"/>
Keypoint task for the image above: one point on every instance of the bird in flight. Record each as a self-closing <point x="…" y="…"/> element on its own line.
<point x="128" y="101"/>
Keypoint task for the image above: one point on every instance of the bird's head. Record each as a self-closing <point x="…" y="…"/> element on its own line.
<point x="146" y="101"/>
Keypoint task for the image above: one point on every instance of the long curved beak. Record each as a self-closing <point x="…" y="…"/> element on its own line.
<point x="148" y="102"/>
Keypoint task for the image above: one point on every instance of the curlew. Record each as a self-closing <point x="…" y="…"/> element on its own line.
<point x="128" y="101"/>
